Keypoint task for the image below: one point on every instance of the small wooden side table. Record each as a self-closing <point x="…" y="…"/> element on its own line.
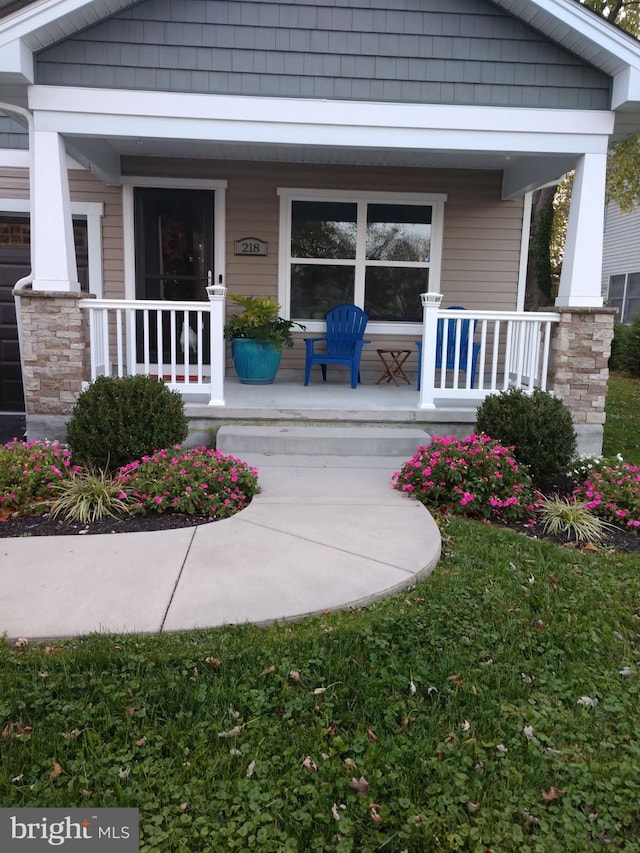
<point x="393" y="359"/>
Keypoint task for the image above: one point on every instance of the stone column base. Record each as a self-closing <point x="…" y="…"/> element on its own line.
<point x="579" y="369"/>
<point x="54" y="346"/>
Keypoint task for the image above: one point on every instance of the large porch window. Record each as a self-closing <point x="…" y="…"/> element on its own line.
<point x="378" y="251"/>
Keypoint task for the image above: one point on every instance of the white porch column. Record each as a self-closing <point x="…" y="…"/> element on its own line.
<point x="430" y="307"/>
<point x="53" y="252"/>
<point x="217" y="294"/>
<point x="580" y="281"/>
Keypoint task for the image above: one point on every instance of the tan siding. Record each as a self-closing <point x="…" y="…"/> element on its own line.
<point x="14" y="183"/>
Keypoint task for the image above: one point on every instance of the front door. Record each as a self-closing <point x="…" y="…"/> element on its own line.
<point x="174" y="256"/>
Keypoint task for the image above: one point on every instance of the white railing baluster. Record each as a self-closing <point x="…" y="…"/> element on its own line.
<point x="119" y="349"/>
<point x="122" y="334"/>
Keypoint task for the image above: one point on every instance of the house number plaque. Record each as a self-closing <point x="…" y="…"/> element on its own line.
<point x="250" y="246"/>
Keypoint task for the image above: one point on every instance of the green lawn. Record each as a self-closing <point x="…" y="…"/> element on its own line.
<point x="622" y="431"/>
<point x="492" y="707"/>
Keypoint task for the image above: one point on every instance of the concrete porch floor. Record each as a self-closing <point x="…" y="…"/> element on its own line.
<point x="333" y="401"/>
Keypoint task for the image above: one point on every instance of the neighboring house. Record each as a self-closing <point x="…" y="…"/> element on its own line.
<point x="621" y="262"/>
<point x="366" y="151"/>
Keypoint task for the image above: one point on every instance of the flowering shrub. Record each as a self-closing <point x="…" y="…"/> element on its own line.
<point x="475" y="476"/>
<point x="27" y="471"/>
<point x="199" y="481"/>
<point x="612" y="492"/>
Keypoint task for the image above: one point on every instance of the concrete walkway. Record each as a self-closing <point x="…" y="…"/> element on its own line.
<point x="325" y="533"/>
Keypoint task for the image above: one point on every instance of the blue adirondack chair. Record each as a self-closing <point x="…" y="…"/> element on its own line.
<point x="343" y="342"/>
<point x="462" y="342"/>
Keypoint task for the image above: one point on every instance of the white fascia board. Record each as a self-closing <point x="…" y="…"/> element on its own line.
<point x="30" y="18"/>
<point x="160" y="115"/>
<point x="626" y="88"/>
<point x="17" y="59"/>
<point x="589" y="26"/>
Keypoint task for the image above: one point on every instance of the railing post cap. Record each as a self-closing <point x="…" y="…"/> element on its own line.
<point x="430" y="298"/>
<point x="216" y="290"/>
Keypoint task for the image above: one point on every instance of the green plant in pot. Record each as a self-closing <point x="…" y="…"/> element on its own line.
<point x="258" y="335"/>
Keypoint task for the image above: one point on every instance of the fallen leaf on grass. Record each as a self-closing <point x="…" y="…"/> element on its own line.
<point x="335" y="812"/>
<point x="555" y="583"/>
<point x="231" y="733"/>
<point x="17" y="779"/>
<point x="268" y="670"/>
<point x="57" y="770"/>
<point x="295" y="676"/>
<point x="552" y="794"/>
<point x="625" y="672"/>
<point x="465" y="725"/>
<point x="142" y="741"/>
<point x="213" y="662"/>
<point x="372" y="735"/>
<point x="528" y="733"/>
<point x="350" y="763"/>
<point x="529" y="819"/>
<point x="502" y="748"/>
<point x="412" y="688"/>
<point x="72" y="735"/>
<point x="319" y="691"/>
<point x="250" y="769"/>
<point x="360" y="786"/>
<point x="124" y="772"/>
<point x="373" y="812"/>
<point x="310" y="764"/>
<point x="587" y="702"/>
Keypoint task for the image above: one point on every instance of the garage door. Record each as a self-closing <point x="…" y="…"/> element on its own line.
<point x="15" y="263"/>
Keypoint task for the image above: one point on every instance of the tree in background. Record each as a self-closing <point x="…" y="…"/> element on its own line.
<point x="550" y="205"/>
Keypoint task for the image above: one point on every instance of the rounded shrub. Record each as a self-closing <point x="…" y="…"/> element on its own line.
<point x="538" y="426"/>
<point x="117" y="420"/>
<point x="620" y="357"/>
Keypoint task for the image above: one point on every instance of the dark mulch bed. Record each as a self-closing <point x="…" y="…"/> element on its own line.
<point x="45" y="526"/>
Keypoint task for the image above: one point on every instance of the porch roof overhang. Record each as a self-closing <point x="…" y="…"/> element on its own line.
<point x="529" y="146"/>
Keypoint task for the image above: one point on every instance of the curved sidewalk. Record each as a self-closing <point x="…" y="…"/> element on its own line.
<point x="325" y="533"/>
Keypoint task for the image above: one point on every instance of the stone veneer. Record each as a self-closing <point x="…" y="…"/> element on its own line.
<point x="55" y="357"/>
<point x="578" y="369"/>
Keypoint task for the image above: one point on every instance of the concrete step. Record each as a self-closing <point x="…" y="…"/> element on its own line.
<point x="321" y="441"/>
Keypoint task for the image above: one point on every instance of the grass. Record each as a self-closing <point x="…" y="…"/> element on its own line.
<point x="622" y="431"/>
<point x="492" y="707"/>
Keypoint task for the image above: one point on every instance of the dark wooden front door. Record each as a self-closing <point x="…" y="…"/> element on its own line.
<point x="174" y="254"/>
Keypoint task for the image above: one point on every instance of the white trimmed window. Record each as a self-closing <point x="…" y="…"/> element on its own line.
<point x="380" y="251"/>
<point x="624" y="294"/>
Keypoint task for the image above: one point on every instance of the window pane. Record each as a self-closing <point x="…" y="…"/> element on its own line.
<point x="615" y="298"/>
<point x="315" y="289"/>
<point x="398" y="232"/>
<point x="394" y="294"/>
<point x="632" y="301"/>
<point x="321" y="229"/>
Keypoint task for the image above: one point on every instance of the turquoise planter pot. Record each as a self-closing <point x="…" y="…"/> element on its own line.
<point x="255" y="362"/>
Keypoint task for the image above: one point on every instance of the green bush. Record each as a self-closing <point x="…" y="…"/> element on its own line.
<point x="619" y="346"/>
<point x="538" y="426"/>
<point x="628" y="359"/>
<point x="118" y="420"/>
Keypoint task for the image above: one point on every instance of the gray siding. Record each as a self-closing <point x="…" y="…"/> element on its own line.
<point x="13" y="134"/>
<point x="424" y="51"/>
<point x="621" y="245"/>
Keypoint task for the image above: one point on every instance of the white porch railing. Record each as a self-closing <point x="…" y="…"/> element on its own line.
<point x="182" y="342"/>
<point x="477" y="353"/>
<point x="465" y="354"/>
